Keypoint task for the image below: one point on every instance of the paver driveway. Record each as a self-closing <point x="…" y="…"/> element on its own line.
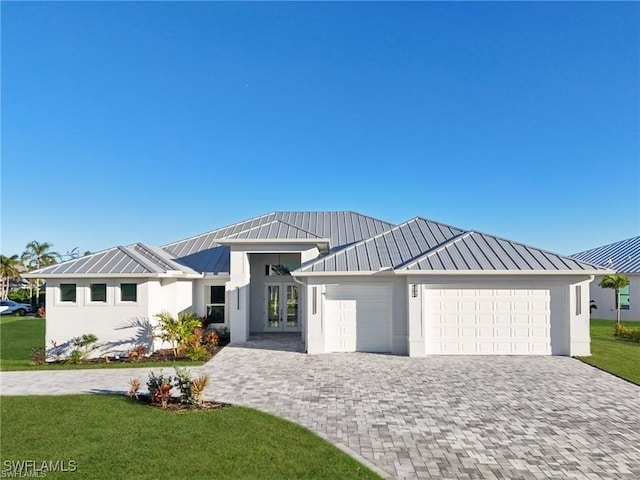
<point x="437" y="417"/>
<point x="448" y="417"/>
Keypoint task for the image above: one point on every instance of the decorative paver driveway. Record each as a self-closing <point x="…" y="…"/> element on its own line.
<point x="438" y="417"/>
<point x="448" y="417"/>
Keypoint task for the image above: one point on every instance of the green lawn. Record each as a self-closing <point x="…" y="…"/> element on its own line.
<point x="19" y="334"/>
<point x="112" y="437"/>
<point x="619" y="357"/>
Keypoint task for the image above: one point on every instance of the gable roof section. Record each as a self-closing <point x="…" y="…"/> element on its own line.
<point x="474" y="251"/>
<point x="138" y="259"/>
<point x="386" y="250"/>
<point x="622" y="256"/>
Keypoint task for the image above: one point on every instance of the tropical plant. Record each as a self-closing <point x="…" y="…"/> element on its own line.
<point x="134" y="386"/>
<point x="177" y="331"/>
<point x="615" y="282"/>
<point x="159" y="388"/>
<point x="9" y="270"/>
<point x="198" y="386"/>
<point x="37" y="255"/>
<point x="84" y="345"/>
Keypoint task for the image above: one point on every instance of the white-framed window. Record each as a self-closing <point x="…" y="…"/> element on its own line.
<point x="624" y="297"/>
<point x="98" y="293"/>
<point x="215" y="296"/>
<point x="129" y="292"/>
<point x="578" y="299"/>
<point x="68" y="292"/>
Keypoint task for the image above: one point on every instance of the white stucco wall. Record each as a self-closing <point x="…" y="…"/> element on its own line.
<point x="605" y="300"/>
<point x="119" y="326"/>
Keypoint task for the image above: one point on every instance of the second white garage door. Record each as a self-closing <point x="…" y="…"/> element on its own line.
<point x="358" y="318"/>
<point x="487" y="321"/>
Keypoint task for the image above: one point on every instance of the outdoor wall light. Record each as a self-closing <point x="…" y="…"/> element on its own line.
<point x="414" y="290"/>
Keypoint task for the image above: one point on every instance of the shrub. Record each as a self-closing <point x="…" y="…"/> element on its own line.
<point x="137" y="353"/>
<point x="183" y="382"/>
<point x="197" y="353"/>
<point x="620" y="331"/>
<point x="37" y="355"/>
<point x="159" y="388"/>
<point x="84" y="345"/>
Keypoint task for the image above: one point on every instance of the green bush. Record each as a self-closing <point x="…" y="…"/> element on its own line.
<point x="627" y="333"/>
<point x="37" y="355"/>
<point x="84" y="345"/>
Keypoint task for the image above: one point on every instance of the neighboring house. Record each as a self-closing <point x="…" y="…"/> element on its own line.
<point x="624" y="258"/>
<point x="345" y="281"/>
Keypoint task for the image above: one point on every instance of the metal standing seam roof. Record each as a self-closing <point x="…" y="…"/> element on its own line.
<point x="386" y="250"/>
<point x="342" y="228"/>
<point x="135" y="259"/>
<point x="479" y="251"/>
<point x="622" y="256"/>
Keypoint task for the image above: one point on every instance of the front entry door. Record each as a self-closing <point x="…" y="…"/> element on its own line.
<point x="281" y="302"/>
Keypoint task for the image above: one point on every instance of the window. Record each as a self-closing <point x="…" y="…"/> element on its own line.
<point x="578" y="299"/>
<point x="624" y="297"/>
<point x="279" y="270"/>
<point x="215" y="305"/>
<point x="98" y="292"/>
<point x="128" y="292"/>
<point x="68" y="292"/>
<point x="315" y="300"/>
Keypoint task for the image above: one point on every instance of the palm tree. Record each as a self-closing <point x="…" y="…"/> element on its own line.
<point x="616" y="282"/>
<point x="9" y="269"/>
<point x="37" y="255"/>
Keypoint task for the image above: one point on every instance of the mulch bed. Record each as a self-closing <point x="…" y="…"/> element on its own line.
<point x="164" y="355"/>
<point x="177" y="406"/>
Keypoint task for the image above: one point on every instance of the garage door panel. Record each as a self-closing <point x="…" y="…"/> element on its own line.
<point x="487" y="321"/>
<point x="358" y="318"/>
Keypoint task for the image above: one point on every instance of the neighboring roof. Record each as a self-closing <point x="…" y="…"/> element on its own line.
<point x="137" y="259"/>
<point x="421" y="245"/>
<point x="622" y="256"/>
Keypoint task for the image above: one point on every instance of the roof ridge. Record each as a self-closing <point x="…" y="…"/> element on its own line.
<point x="269" y="223"/>
<point x="435" y="249"/>
<point x="167" y="245"/>
<point x="137" y="257"/>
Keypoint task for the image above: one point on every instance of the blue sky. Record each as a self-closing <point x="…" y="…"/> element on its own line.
<point x="125" y="122"/>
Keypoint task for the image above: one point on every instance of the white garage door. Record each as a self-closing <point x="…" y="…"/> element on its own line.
<point x="487" y="321"/>
<point x="358" y="318"/>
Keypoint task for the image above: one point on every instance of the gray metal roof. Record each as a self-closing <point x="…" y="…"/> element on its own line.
<point x="622" y="256"/>
<point x="389" y="249"/>
<point x="273" y="230"/>
<point x="475" y="251"/>
<point x="205" y="254"/>
<point x="136" y="259"/>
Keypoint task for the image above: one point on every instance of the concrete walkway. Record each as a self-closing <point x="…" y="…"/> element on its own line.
<point x="439" y="417"/>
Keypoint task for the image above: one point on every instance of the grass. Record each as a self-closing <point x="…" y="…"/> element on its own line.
<point x="107" y="435"/>
<point x="619" y="357"/>
<point x="18" y="335"/>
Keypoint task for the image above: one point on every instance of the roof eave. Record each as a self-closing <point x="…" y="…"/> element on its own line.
<point x="502" y="272"/>
<point x="114" y="275"/>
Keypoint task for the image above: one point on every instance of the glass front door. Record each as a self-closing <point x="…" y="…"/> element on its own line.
<point x="281" y="301"/>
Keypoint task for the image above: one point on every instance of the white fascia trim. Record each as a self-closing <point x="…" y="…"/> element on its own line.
<point x="111" y="275"/>
<point x="224" y="241"/>
<point x="499" y="272"/>
<point x="343" y="274"/>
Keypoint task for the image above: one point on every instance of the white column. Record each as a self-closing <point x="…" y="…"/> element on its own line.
<point x="238" y="296"/>
<point x="415" y="320"/>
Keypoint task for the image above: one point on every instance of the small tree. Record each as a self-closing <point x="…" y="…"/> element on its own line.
<point x="38" y="255"/>
<point x="9" y="269"/>
<point x="615" y="282"/>
<point x="177" y="331"/>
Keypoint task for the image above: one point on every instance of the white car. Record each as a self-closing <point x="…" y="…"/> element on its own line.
<point x="8" y="307"/>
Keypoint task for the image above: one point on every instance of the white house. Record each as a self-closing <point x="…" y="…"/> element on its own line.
<point x="624" y="258"/>
<point x="347" y="282"/>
